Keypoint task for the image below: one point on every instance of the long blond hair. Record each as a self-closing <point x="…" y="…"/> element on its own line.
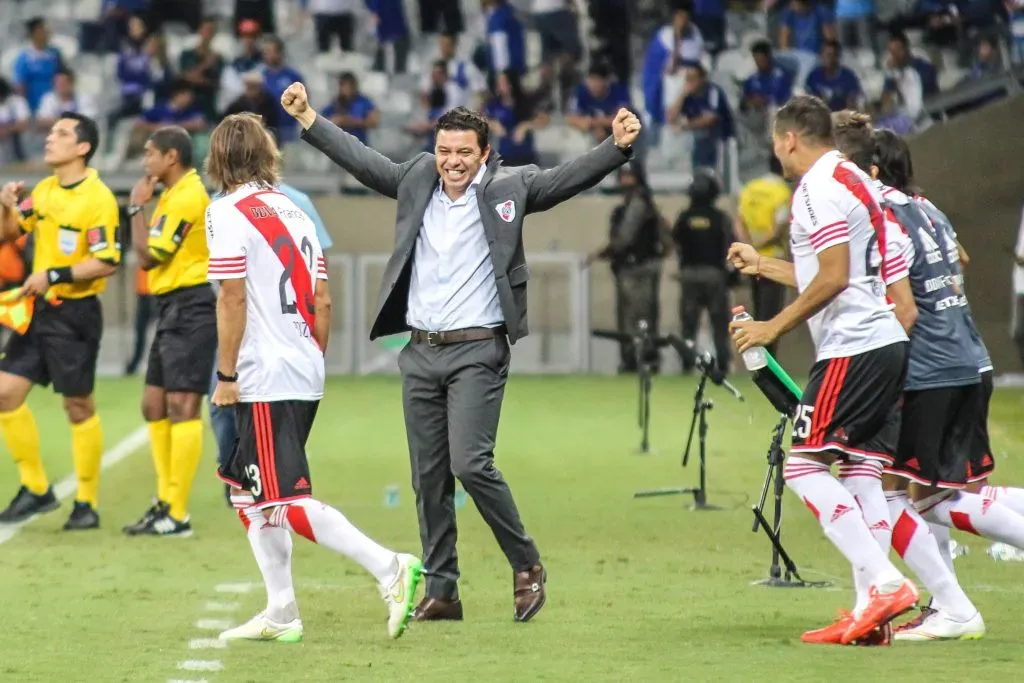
<point x="242" y="151"/>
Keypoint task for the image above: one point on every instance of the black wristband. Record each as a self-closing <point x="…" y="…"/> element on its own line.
<point x="56" y="276"/>
<point x="227" y="378"/>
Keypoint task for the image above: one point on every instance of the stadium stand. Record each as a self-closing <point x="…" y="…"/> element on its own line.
<point x="947" y="57"/>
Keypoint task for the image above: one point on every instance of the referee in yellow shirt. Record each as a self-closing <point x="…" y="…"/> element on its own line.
<point x="763" y="222"/>
<point x="171" y="246"/>
<point x="76" y="221"/>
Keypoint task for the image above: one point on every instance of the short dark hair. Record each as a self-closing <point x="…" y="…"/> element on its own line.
<point x="86" y="130"/>
<point x="65" y="71"/>
<point x="600" y="69"/>
<point x="177" y="138"/>
<point x="853" y="135"/>
<point x="349" y="77"/>
<point x="461" y="118"/>
<point x="901" y="38"/>
<point x="180" y="85"/>
<point x="761" y="47"/>
<point x="892" y="157"/>
<point x="832" y="43"/>
<point x="808" y="117"/>
<point x="34" y="23"/>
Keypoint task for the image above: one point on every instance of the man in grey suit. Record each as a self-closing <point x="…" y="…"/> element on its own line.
<point x="457" y="282"/>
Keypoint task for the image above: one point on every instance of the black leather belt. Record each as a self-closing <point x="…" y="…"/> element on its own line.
<point x="457" y="336"/>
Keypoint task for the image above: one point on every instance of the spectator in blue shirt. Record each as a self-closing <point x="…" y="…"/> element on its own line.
<point x="180" y="110"/>
<point x="596" y="102"/>
<point x="276" y="77"/>
<point x="709" y="16"/>
<point x="352" y="111"/>
<point x="703" y="110"/>
<point x="392" y="35"/>
<point x="436" y="100"/>
<point x="832" y="82"/>
<point x="116" y="15"/>
<point x="770" y="85"/>
<point x="512" y="119"/>
<point x="37" y="64"/>
<point x="672" y="47"/>
<point x="250" y="56"/>
<point x="133" y="72"/>
<point x="805" y="25"/>
<point x="505" y="42"/>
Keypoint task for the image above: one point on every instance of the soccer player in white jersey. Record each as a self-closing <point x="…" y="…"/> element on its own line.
<point x="849" y="410"/>
<point x="942" y="393"/>
<point x="273" y="321"/>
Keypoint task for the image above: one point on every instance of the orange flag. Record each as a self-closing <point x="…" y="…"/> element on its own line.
<point x="16" y="311"/>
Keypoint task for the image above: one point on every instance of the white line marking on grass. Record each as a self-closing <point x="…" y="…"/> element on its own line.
<point x="201" y="665"/>
<point x="182" y="680"/>
<point x="214" y="624"/>
<point x="67" y="486"/>
<point x="221" y="606"/>
<point x="236" y="587"/>
<point x="207" y="644"/>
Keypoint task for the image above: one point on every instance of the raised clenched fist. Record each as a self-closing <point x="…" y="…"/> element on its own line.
<point x="294" y="99"/>
<point x="625" y="128"/>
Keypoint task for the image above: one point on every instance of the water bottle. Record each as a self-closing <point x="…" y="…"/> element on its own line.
<point x="754" y="358"/>
<point x="391" y="496"/>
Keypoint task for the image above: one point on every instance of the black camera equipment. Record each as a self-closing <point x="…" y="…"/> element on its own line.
<point x="645" y="346"/>
<point x="701" y="405"/>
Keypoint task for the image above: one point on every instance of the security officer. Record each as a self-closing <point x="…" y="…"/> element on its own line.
<point x="634" y="251"/>
<point x="702" y="235"/>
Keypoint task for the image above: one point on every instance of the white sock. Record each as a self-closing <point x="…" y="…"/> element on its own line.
<point x="837" y="512"/>
<point x="326" y="526"/>
<point x="272" y="548"/>
<point x="974" y="514"/>
<point x="1009" y="496"/>
<point x="942" y="538"/>
<point x="864" y="482"/>
<point x="913" y="541"/>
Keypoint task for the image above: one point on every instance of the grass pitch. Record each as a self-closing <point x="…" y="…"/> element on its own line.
<point x="641" y="590"/>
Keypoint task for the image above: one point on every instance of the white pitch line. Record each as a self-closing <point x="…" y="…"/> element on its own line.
<point x="236" y="587"/>
<point x="67" y="486"/>
<point x="214" y="624"/>
<point x="201" y="665"/>
<point x="182" y="680"/>
<point x="221" y="606"/>
<point x="207" y="644"/>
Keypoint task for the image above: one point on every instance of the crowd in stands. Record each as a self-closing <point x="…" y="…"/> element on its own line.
<point x="549" y="74"/>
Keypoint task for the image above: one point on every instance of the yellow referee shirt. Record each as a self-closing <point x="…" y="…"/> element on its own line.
<point x="175" y="241"/>
<point x="763" y="204"/>
<point x="72" y="224"/>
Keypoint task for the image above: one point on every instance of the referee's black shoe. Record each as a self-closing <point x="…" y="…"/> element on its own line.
<point x="25" y="505"/>
<point x="158" y="509"/>
<point x="83" y="516"/>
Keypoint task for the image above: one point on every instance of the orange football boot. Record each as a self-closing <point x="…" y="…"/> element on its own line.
<point x="882" y="608"/>
<point x="831" y="634"/>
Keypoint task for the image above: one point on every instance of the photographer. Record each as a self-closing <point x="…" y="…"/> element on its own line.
<point x="702" y="235"/>
<point x="635" y="250"/>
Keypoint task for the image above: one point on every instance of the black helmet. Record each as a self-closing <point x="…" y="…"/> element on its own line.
<point x="704" y="189"/>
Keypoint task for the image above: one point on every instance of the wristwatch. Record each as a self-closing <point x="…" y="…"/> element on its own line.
<point x="134" y="209"/>
<point x="227" y="378"/>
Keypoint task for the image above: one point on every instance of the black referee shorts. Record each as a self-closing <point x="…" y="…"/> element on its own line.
<point x="61" y="346"/>
<point x="269" y="459"/>
<point x="184" y="348"/>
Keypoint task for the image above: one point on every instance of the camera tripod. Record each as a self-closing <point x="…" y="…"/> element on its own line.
<point x="701" y="406"/>
<point x="774" y="480"/>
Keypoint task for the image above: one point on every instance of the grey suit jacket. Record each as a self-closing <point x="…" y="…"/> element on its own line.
<point x="505" y="195"/>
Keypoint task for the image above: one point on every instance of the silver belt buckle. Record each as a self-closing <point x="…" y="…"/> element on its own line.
<point x="432" y="338"/>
